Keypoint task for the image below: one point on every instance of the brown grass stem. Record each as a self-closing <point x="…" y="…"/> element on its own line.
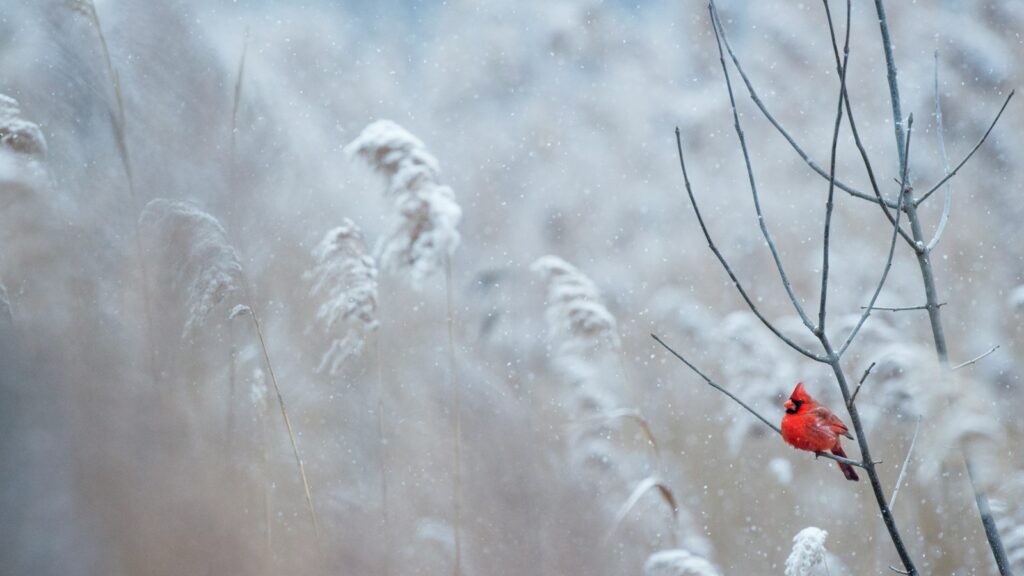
<point x="117" y="120"/>
<point x="382" y="460"/>
<point x="457" y="409"/>
<point x="287" y="420"/>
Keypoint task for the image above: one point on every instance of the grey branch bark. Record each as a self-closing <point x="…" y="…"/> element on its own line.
<point x="901" y="308"/>
<point x="745" y="406"/>
<point x="725" y="263"/>
<point x="823" y="299"/>
<point x="969" y="154"/>
<point x="906" y="462"/>
<point x="928" y="278"/>
<point x="756" y="99"/>
<point x="940" y="137"/>
<point x="976" y="358"/>
<point x="762" y="224"/>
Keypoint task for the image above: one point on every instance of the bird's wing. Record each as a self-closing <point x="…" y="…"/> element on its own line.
<point x="827" y="418"/>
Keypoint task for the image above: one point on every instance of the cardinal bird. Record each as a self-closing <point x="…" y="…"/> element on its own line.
<point x="810" y="426"/>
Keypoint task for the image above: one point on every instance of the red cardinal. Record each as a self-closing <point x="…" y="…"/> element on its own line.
<point x="810" y="426"/>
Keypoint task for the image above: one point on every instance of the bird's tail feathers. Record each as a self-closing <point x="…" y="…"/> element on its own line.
<point x="848" y="470"/>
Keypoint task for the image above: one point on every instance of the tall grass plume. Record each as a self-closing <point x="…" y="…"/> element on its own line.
<point x="344" y="277"/>
<point x="423" y="232"/>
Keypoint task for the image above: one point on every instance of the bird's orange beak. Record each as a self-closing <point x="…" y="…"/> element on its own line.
<point x="789" y="405"/>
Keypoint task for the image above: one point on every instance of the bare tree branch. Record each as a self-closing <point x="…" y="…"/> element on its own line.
<point x="735" y="399"/>
<point x="715" y="24"/>
<point x="969" y="154"/>
<point x="901" y="308"/>
<point x="856" y="390"/>
<point x="725" y="264"/>
<point x="947" y="203"/>
<point x="906" y="461"/>
<point x="888" y="261"/>
<point x="928" y="278"/>
<point x="975" y="359"/>
<point x="778" y="127"/>
<point x="832" y="168"/>
<point x="882" y="203"/>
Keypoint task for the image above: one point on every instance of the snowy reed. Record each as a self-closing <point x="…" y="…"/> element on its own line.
<point x="423" y="232"/>
<point x="344" y="277"/>
<point x="678" y="563"/>
<point x="419" y="242"/>
<point x="16" y="133"/>
<point x="579" y="324"/>
<point x="808" y="552"/>
<point x="205" y="266"/>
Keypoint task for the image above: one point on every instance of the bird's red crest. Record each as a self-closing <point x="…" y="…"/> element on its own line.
<point x="800" y="394"/>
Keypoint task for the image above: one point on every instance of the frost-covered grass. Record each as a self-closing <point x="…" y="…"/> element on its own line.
<point x="553" y="124"/>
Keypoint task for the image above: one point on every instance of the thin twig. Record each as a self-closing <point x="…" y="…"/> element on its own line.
<point x="888" y="261"/>
<point x="778" y="127"/>
<point x="832" y="169"/>
<point x="834" y="358"/>
<point x="947" y="203"/>
<point x="882" y="203"/>
<point x="894" y="87"/>
<point x="969" y="154"/>
<point x="928" y="278"/>
<point x="715" y="24"/>
<point x="973" y="360"/>
<point x="725" y="264"/>
<point x="853" y="397"/>
<point x="906" y="461"/>
<point x="733" y="397"/>
<point x="901" y="308"/>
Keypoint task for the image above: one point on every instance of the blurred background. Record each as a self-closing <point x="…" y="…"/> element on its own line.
<point x="127" y="447"/>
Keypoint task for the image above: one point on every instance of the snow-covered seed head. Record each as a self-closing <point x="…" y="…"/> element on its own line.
<point x="424" y="231"/>
<point x="423" y="235"/>
<point x="396" y="154"/>
<point x="678" y="563"/>
<point x="808" y="551"/>
<point x="17" y="134"/>
<point x="204" y="265"/>
<point x="344" y="277"/>
<point x="578" y="322"/>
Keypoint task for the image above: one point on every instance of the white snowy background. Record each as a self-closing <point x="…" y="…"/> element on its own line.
<point x="552" y="124"/>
